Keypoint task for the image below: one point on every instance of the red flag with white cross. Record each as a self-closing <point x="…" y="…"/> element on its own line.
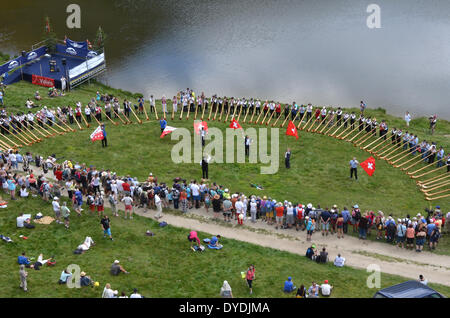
<point x="369" y="166"/>
<point x="292" y="130"/>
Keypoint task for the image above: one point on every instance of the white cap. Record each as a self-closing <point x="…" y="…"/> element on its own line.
<point x="116" y="262"/>
<point x="55" y="198"/>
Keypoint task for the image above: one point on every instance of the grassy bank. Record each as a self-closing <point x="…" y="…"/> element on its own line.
<point x="159" y="266"/>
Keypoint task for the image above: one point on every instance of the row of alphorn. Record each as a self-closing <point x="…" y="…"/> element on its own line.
<point x="380" y="146"/>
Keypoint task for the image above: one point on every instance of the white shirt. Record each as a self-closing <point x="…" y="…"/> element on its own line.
<point x="23" y="193"/>
<point x="239" y="206"/>
<point x="195" y="190"/>
<point x="135" y="295"/>
<point x="56" y="206"/>
<point x="339" y="261"/>
<point x="157" y="199"/>
<point x="20" y="221"/>
<point x="326" y="289"/>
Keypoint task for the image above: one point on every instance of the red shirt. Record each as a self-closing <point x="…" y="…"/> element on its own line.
<point x="126" y="187"/>
<point x="58" y="175"/>
<point x="250" y="274"/>
<point x="280" y="211"/>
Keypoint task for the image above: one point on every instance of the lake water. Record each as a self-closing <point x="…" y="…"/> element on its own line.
<point x="305" y="51"/>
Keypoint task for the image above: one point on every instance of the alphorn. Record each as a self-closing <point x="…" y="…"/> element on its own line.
<point x="137" y="118"/>
<point x="265" y="116"/>
<point x="37" y="128"/>
<point x="359" y="143"/>
<point x="398" y="154"/>
<point x="181" y="112"/>
<point x="217" y="110"/>
<point x="287" y="117"/>
<point x="440" y="197"/>
<point x="196" y="110"/>
<point x="439" y="192"/>
<point x="429" y="180"/>
<point x="414" y="164"/>
<point x="270" y="118"/>
<point x="98" y="122"/>
<point x="57" y="125"/>
<point x="334" y="125"/>
<point x="11" y="141"/>
<point x="324" y="126"/>
<point x="246" y="114"/>
<point x="424" y="174"/>
<point x="156" y="112"/>
<point x="189" y="111"/>
<point x="145" y="112"/>
<point x="312" y="124"/>
<point x="23" y="135"/>
<point x="5" y="145"/>
<point x="240" y="112"/>
<point x="437" y="182"/>
<point x="234" y="112"/>
<point x="85" y="121"/>
<point x="322" y="122"/>
<point x="56" y="131"/>
<point x="357" y="134"/>
<point x="20" y="137"/>
<point x="295" y="117"/>
<point x="403" y="156"/>
<point x="345" y="129"/>
<point x="378" y="145"/>
<point x="253" y="114"/>
<point x="373" y="141"/>
<point x="389" y="151"/>
<point x="78" y="124"/>
<point x="437" y="187"/>
<point x="114" y="123"/>
<point x="351" y="131"/>
<point x="68" y="127"/>
<point x="307" y="122"/>
<point x="260" y="113"/>
<point x="29" y="131"/>
<point x="173" y="111"/>
<point x="442" y="191"/>
<point x="210" y="111"/>
<point x="114" y="111"/>
<point x="33" y="139"/>
<point x="340" y="126"/>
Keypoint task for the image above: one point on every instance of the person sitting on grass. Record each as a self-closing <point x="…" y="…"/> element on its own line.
<point x="225" y="291"/>
<point x="339" y="261"/>
<point x="65" y="276"/>
<point x="85" y="280"/>
<point x="135" y="294"/>
<point x="311" y="252"/>
<point x="323" y="257"/>
<point x="301" y="292"/>
<point x="313" y="291"/>
<point x="289" y="286"/>
<point x="214" y="242"/>
<point x="116" y="269"/>
<point x="108" y="292"/>
<point x="37" y="96"/>
<point x="326" y="289"/>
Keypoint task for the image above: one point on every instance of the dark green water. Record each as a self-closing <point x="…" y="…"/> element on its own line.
<point x="308" y="51"/>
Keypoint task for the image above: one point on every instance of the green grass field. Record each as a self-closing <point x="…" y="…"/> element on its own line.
<point x="159" y="266"/>
<point x="319" y="172"/>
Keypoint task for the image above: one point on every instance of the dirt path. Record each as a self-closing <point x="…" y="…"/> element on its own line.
<point x="358" y="254"/>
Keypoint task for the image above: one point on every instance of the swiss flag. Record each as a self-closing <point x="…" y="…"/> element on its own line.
<point x="235" y="124"/>
<point x="97" y="134"/>
<point x="167" y="131"/>
<point x="198" y="125"/>
<point x="292" y="130"/>
<point x="369" y="166"/>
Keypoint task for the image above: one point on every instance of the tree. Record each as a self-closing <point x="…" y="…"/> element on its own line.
<point x="100" y="39"/>
<point x="49" y="36"/>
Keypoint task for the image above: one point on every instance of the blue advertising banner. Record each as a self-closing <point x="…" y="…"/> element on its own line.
<point x="77" y="45"/>
<point x="80" y="52"/>
<point x="11" y="65"/>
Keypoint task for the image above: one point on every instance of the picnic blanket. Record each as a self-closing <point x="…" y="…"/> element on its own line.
<point x="44" y="220"/>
